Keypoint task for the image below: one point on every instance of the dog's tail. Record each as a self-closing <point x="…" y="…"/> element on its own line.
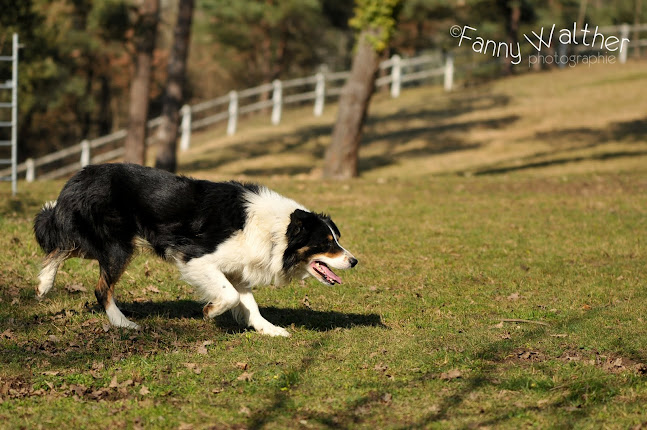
<point x="47" y="234"/>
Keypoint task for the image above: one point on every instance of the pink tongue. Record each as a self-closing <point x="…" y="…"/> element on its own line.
<point x="329" y="273"/>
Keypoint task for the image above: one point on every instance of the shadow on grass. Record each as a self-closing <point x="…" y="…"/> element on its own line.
<point x="435" y="138"/>
<point x="564" y="141"/>
<point x="306" y="318"/>
<point x="577" y="401"/>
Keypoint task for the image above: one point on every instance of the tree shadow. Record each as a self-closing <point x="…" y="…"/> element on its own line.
<point x="491" y="356"/>
<point x="565" y="141"/>
<point x="311" y="141"/>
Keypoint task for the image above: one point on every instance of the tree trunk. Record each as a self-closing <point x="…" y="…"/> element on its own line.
<point x="341" y="160"/>
<point x="144" y="39"/>
<point x="167" y="133"/>
<point x="513" y="33"/>
<point x="637" y="14"/>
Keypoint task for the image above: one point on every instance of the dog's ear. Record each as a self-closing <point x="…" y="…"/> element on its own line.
<point x="329" y="222"/>
<point x="299" y="220"/>
<point x="300" y="223"/>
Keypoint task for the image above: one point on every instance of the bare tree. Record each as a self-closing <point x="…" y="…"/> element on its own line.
<point x="167" y="133"/>
<point x="341" y="159"/>
<point x="144" y="40"/>
<point x="375" y="20"/>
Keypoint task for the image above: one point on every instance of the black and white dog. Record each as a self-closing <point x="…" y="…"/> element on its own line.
<point x="225" y="237"/>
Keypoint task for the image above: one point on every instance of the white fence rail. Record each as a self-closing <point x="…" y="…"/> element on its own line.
<point x="314" y="89"/>
<point x="271" y="97"/>
<point x="11" y="174"/>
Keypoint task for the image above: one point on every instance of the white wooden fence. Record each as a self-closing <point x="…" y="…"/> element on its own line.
<point x="315" y="89"/>
<point x="11" y="173"/>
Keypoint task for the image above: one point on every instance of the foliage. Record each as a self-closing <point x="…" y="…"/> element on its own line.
<point x="378" y="19"/>
<point x="71" y="64"/>
<point x="75" y="64"/>
<point x="258" y="41"/>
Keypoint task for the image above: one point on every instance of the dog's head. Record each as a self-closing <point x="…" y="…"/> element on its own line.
<point x="314" y="249"/>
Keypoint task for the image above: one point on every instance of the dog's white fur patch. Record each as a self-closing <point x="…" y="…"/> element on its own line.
<point x="253" y="256"/>
<point x="50" y="204"/>
<point x="118" y="319"/>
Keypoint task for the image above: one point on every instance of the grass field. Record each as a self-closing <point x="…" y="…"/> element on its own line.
<point x="501" y="281"/>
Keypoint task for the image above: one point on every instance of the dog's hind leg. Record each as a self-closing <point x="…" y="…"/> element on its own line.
<point x="108" y="277"/>
<point x="248" y="314"/>
<point x="47" y="275"/>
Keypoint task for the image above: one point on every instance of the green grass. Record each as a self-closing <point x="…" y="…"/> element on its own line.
<point x="443" y="261"/>
<point x="425" y="332"/>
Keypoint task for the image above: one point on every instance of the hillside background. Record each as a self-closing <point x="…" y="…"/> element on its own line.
<point x="77" y="57"/>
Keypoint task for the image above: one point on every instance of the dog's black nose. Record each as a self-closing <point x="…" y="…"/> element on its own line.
<point x="353" y="262"/>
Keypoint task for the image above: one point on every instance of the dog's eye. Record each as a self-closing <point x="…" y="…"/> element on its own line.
<point x="330" y="238"/>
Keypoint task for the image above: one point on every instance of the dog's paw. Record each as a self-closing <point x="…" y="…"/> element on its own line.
<point x="126" y="323"/>
<point x="272" y="330"/>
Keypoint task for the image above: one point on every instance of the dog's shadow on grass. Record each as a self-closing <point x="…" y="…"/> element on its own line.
<point x="306" y="318"/>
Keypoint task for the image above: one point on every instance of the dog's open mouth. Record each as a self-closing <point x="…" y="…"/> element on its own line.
<point x="322" y="272"/>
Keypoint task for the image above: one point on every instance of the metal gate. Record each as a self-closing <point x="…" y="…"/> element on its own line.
<point x="13" y="124"/>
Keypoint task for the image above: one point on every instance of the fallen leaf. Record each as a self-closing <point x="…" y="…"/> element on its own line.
<point x="245" y="376"/>
<point x="245" y="410"/>
<point x="386" y="398"/>
<point x="452" y="374"/>
<point x="79" y="390"/>
<point x="202" y="350"/>
<point x="89" y="322"/>
<point x="499" y="325"/>
<point x="106" y="327"/>
<point x="381" y="367"/>
<point x="152" y="289"/>
<point x="559" y="335"/>
<point x="193" y="367"/>
<point x="306" y="302"/>
<point x="7" y="334"/>
<point x="113" y="382"/>
<point x="514" y="296"/>
<point x="241" y="365"/>
<point x="76" y="288"/>
<point x="50" y="373"/>
<point x="586" y="307"/>
<point x="144" y="390"/>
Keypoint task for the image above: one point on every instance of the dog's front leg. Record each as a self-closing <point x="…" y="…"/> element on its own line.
<point x="213" y="286"/>
<point x="247" y="314"/>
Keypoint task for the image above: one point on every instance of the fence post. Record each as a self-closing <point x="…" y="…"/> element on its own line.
<point x="85" y="153"/>
<point x="396" y="75"/>
<point x="185" y="128"/>
<point x="277" y="101"/>
<point x="31" y="170"/>
<point x="14" y="114"/>
<point x="562" y="51"/>
<point x="624" y="34"/>
<point x="233" y="113"/>
<point x="320" y="93"/>
<point x="449" y="71"/>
